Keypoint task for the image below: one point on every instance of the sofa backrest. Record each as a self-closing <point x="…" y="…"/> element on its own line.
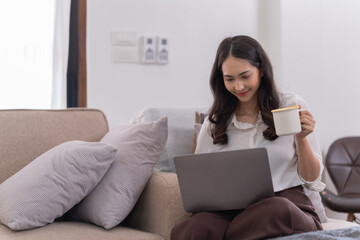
<point x="26" y="134"/>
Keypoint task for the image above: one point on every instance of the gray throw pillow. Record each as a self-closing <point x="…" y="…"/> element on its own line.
<point x="181" y="131"/>
<point x="53" y="183"/>
<point x="114" y="197"/>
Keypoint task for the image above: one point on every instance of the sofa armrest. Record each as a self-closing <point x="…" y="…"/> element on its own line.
<point x="160" y="206"/>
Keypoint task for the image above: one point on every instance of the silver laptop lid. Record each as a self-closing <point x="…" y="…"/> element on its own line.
<point x="224" y="180"/>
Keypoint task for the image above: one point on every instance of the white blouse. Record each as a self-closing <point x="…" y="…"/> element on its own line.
<point x="282" y="151"/>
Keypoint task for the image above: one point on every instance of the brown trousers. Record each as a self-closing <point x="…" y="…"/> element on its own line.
<point x="289" y="212"/>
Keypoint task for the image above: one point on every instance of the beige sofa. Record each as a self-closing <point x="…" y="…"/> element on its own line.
<point x="25" y="134"/>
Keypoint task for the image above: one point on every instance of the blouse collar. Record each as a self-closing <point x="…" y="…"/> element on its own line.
<point x="244" y="125"/>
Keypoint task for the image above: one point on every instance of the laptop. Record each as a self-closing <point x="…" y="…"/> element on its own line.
<point x="225" y="180"/>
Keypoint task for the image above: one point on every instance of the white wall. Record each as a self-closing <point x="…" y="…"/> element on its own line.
<point x="341" y="64"/>
<point x="194" y="30"/>
<point x="320" y="61"/>
<point x="303" y="55"/>
<point x="314" y="43"/>
<point x="269" y="32"/>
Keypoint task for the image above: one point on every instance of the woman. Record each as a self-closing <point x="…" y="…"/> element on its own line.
<point x="240" y="117"/>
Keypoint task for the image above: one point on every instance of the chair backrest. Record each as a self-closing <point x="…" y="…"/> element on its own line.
<point x="343" y="164"/>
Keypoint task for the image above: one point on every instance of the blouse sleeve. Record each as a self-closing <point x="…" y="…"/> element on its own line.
<point x="204" y="140"/>
<point x="315" y="185"/>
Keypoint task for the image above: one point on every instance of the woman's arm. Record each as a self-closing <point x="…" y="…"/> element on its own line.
<point x="308" y="163"/>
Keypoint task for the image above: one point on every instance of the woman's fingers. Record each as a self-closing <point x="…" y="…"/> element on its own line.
<point x="306" y="116"/>
<point x="307" y="123"/>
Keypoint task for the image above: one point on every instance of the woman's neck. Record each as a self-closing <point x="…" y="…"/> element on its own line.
<point x="247" y="112"/>
<point x="248" y="108"/>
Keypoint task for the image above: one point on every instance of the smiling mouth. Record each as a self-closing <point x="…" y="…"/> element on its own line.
<point x="243" y="93"/>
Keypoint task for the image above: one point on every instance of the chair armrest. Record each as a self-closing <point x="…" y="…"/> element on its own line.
<point x="160" y="206"/>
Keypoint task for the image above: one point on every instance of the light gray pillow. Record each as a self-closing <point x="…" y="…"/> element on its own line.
<point x="53" y="183"/>
<point x="181" y="131"/>
<point x="114" y="197"/>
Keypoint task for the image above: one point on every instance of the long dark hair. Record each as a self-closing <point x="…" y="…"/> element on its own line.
<point x="225" y="103"/>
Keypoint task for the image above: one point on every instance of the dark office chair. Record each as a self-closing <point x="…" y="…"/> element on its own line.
<point x="343" y="164"/>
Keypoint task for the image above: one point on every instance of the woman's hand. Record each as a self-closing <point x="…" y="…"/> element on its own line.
<point x="307" y="124"/>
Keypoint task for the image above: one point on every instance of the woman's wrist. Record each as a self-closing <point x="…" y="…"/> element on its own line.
<point x="300" y="139"/>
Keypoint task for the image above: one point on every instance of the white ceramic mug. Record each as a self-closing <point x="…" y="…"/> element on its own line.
<point x="287" y="120"/>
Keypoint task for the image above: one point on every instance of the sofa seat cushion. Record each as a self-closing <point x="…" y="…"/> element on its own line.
<point x="337" y="224"/>
<point x="76" y="231"/>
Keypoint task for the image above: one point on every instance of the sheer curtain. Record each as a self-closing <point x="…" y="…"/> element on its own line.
<point x="60" y="57"/>
<point x="26" y="53"/>
<point x="33" y="53"/>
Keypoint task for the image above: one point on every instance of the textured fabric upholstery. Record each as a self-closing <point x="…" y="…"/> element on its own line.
<point x="76" y="231"/>
<point x="161" y="200"/>
<point x="26" y="134"/>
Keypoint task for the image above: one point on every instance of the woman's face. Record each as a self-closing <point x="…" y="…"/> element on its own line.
<point x="241" y="78"/>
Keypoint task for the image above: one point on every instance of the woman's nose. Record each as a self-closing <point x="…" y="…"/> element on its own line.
<point x="238" y="85"/>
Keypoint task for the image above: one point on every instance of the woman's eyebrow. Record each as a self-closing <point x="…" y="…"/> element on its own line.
<point x="227" y="75"/>
<point x="244" y="72"/>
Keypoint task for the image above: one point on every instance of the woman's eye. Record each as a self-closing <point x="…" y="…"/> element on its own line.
<point x="245" y="77"/>
<point x="228" y="79"/>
